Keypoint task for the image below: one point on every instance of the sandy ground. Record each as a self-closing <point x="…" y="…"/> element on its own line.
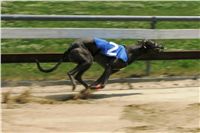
<point x="149" y="107"/>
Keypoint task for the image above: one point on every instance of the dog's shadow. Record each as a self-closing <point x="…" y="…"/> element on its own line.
<point x="66" y="97"/>
<point x="102" y="96"/>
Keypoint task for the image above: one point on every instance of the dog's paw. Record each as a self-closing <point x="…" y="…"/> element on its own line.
<point x="84" y="94"/>
<point x="76" y="97"/>
<point x="97" y="87"/>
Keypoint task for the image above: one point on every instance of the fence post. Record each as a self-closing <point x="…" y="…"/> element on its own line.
<point x="148" y="63"/>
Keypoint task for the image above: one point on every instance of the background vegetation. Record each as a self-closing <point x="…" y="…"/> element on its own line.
<point x="154" y="8"/>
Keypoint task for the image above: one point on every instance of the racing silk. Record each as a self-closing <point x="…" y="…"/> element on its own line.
<point x="111" y="49"/>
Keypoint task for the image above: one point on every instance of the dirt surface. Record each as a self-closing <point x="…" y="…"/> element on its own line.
<point x="164" y="107"/>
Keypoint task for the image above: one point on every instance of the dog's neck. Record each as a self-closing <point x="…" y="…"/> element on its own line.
<point x="134" y="52"/>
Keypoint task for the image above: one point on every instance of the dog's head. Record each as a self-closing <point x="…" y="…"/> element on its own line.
<point x="150" y="46"/>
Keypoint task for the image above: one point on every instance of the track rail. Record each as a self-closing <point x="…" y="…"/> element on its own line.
<point x="54" y="57"/>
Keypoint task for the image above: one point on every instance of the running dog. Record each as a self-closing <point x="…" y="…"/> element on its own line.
<point x="111" y="56"/>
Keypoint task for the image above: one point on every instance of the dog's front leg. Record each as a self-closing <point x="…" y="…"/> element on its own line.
<point x="106" y="77"/>
<point x="100" y="83"/>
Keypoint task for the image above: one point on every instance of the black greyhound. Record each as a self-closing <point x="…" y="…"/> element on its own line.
<point x="84" y="51"/>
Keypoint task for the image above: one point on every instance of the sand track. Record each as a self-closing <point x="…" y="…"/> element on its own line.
<point x="142" y="107"/>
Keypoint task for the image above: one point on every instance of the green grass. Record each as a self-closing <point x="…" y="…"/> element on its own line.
<point x="98" y="8"/>
<point x="29" y="71"/>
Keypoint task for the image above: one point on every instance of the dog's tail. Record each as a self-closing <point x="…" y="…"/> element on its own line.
<point x="48" y="70"/>
<point x="64" y="58"/>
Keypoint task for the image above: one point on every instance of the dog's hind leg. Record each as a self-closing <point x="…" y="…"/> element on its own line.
<point x="83" y="67"/>
<point x="76" y="74"/>
<point x="71" y="77"/>
<point x="84" y="59"/>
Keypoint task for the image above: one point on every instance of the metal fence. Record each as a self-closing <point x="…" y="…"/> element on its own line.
<point x="97" y="18"/>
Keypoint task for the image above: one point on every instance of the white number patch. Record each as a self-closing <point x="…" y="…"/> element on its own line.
<point x="112" y="51"/>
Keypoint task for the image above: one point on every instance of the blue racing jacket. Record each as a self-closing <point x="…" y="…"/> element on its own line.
<point x="111" y="49"/>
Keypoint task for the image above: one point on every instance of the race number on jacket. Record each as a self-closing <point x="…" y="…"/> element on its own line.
<point x="111" y="49"/>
